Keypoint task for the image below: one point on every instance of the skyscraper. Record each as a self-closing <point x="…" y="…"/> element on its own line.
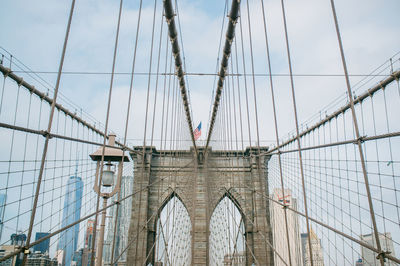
<point x="317" y="255"/>
<point x="86" y="252"/>
<point x="124" y="216"/>
<point x="71" y="213"/>
<point x="279" y="230"/>
<point x="77" y="259"/>
<point x="43" y="246"/>
<point x="369" y="257"/>
<point x="89" y="234"/>
<point x="18" y="239"/>
<point x="3" y="199"/>
<point x="39" y="259"/>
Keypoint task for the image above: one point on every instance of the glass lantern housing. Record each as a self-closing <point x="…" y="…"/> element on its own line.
<point x="108" y="176"/>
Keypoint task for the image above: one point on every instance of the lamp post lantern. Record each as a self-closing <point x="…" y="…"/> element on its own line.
<point x="106" y="176"/>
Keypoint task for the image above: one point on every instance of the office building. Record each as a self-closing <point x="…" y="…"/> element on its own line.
<point x="59" y="257"/>
<point x="71" y="213"/>
<point x="279" y="229"/>
<point x="317" y="255"/>
<point x="42" y="247"/>
<point x="124" y="216"/>
<point x="369" y="257"/>
<point x="89" y="234"/>
<point x="77" y="258"/>
<point x="18" y="239"/>
<point x="39" y="259"/>
<point x="87" y="256"/>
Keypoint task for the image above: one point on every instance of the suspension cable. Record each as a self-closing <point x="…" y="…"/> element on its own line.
<point x="230" y="33"/>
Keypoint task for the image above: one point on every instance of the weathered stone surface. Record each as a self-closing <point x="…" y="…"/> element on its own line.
<point x="200" y="185"/>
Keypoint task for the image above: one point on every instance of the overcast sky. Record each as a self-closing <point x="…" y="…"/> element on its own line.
<point x="34" y="34"/>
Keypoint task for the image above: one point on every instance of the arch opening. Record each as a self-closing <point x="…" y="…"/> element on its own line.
<point x="227" y="243"/>
<point x="173" y="234"/>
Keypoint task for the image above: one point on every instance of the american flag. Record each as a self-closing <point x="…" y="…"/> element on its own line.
<point x="197" y="132"/>
<point x="283" y="200"/>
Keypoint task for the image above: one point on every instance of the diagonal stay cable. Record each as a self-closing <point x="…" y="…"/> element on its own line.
<point x="381" y="254"/>
<point x="368" y="93"/>
<point x="7" y="72"/>
<point x="169" y="15"/>
<point x="230" y="33"/>
<point x="46" y="144"/>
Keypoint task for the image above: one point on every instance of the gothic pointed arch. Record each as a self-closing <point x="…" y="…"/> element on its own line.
<point x="173" y="227"/>
<point x="227" y="232"/>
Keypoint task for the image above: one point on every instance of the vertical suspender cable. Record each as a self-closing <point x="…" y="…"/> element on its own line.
<point x="144" y="155"/>
<point x="157" y="76"/>
<point x="169" y="15"/>
<point x="253" y="76"/>
<point x="233" y="16"/>
<point x="126" y="123"/>
<point x="239" y="99"/>
<point x="256" y="118"/>
<point x="245" y="85"/>
<point x="105" y="137"/>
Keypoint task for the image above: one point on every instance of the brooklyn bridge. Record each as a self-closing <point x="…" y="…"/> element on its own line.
<point x="180" y="133"/>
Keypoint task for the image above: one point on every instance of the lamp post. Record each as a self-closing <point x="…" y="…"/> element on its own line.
<point x="106" y="176"/>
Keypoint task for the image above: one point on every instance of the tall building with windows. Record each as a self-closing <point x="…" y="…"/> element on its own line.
<point x="39" y="259"/>
<point x="369" y="257"/>
<point x="18" y="239"/>
<point x="89" y="234"/>
<point x="77" y="259"/>
<point x="42" y="247"/>
<point x="86" y="252"/>
<point x="71" y="213"/>
<point x="124" y="216"/>
<point x="279" y="229"/>
<point x="317" y="255"/>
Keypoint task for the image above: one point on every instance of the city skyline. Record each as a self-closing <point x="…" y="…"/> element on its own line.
<point x="71" y="212"/>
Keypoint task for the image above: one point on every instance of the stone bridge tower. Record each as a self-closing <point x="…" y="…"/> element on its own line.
<point x="200" y="184"/>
